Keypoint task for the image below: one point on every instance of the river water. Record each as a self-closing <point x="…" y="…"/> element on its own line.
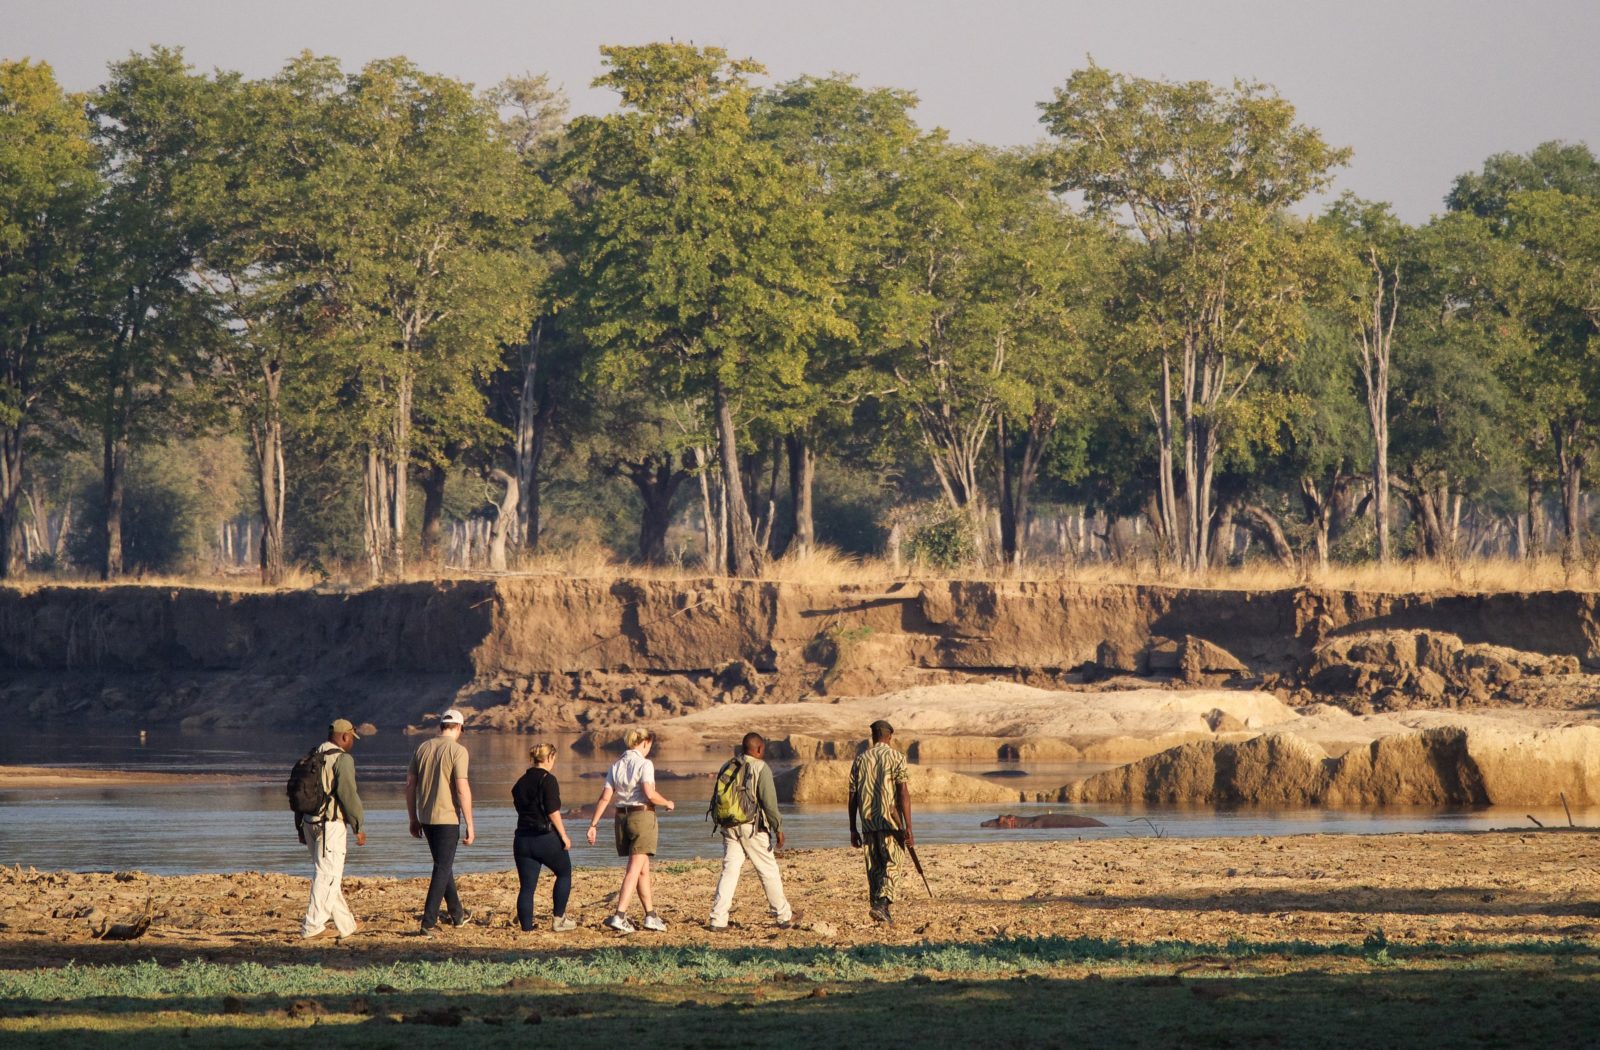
<point x="245" y="825"/>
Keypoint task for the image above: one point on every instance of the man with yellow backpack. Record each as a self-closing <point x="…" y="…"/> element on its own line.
<point x="744" y="806"/>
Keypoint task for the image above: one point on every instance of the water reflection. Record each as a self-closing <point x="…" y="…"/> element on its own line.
<point x="173" y="829"/>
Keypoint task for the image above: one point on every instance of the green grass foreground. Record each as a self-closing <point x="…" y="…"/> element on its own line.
<point x="1027" y="992"/>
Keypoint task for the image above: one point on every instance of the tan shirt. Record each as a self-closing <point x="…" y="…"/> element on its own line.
<point x="874" y="776"/>
<point x="437" y="765"/>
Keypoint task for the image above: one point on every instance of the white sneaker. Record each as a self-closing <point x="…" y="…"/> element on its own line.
<point x="620" y="923"/>
<point x="561" y="924"/>
<point x="653" y="921"/>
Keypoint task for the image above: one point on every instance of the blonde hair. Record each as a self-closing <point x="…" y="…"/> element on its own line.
<point x="542" y="753"/>
<point x="636" y="736"/>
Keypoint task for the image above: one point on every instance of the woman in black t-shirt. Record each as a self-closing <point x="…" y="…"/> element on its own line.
<point x="541" y="839"/>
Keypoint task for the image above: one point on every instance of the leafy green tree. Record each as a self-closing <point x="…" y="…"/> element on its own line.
<point x="252" y="176"/>
<point x="1451" y="427"/>
<point x="700" y="268"/>
<point x="857" y="144"/>
<point x="1368" y="293"/>
<point x="1553" y="381"/>
<point x="1202" y="177"/>
<point x="945" y="332"/>
<point x="48" y="182"/>
<point x="416" y="206"/>
<point x="1558" y="298"/>
<point x="150" y="329"/>
<point x="532" y="121"/>
<point x="1566" y="167"/>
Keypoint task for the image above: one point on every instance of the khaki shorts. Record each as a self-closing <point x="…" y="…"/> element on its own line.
<point x="636" y="832"/>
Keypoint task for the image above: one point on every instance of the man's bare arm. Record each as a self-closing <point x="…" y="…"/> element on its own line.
<point x="902" y="802"/>
<point x="464" y="802"/>
<point x="411" y="805"/>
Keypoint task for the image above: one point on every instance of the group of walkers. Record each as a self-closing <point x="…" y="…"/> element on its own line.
<point x="744" y="806"/>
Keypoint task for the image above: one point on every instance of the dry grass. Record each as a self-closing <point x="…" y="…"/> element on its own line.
<point x="826" y="567"/>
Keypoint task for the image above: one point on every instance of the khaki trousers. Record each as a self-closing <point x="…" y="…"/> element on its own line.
<point x="327" y="845"/>
<point x="738" y="844"/>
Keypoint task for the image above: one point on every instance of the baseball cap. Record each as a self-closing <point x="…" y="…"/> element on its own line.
<point x="342" y="725"/>
<point x="452" y="717"/>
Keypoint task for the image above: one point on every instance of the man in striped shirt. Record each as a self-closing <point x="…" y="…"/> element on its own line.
<point x="880" y="795"/>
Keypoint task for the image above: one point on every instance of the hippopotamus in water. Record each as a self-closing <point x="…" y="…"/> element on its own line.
<point x="1043" y="820"/>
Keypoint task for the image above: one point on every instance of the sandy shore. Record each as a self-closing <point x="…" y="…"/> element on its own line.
<point x="1416" y="888"/>
<point x="20" y="778"/>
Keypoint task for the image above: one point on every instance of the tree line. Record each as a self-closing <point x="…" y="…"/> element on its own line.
<point x="408" y="300"/>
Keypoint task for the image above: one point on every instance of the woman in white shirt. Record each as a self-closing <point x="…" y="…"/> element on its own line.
<point x="631" y="783"/>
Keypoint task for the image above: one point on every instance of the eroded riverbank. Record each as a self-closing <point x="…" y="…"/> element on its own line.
<point x="564" y="653"/>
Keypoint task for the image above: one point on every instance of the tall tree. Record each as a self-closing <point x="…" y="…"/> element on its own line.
<point x="700" y="266"/>
<point x="266" y="149"/>
<point x="1558" y="299"/>
<point x="1374" y="244"/>
<point x="423" y="197"/>
<point x="151" y="329"/>
<point x="1451" y="429"/>
<point x="1202" y="176"/>
<point x="1553" y="381"/>
<point x="856" y="143"/>
<point x="533" y="116"/>
<point x="48" y="182"/>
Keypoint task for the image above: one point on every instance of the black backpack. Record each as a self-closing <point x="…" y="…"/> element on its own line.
<point x="307" y="797"/>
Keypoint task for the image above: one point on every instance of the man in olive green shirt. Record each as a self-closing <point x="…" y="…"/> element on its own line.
<point x="326" y="834"/>
<point x="879" y="793"/>
<point x="438" y="799"/>
<point x="756" y="841"/>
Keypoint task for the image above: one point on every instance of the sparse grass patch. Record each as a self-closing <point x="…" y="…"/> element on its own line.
<point x="1035" y="992"/>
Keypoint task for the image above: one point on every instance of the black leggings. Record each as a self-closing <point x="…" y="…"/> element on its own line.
<point x="531" y="851"/>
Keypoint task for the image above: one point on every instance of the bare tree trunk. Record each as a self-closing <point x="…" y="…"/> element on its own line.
<point x="399" y="468"/>
<point x="802" y="472"/>
<point x="266" y="440"/>
<point x="710" y="521"/>
<point x="503" y="520"/>
<point x="1533" y="547"/>
<point x="13" y="560"/>
<point x="433" y="480"/>
<point x="1165" y="520"/>
<point x="656" y="478"/>
<point x="374" y="503"/>
<point x="114" y="470"/>
<point x="1570" y="461"/>
<point x="527" y="412"/>
<point x="743" y="558"/>
<point x="1016" y="482"/>
<point x="1265" y="524"/>
<point x="1377" y="345"/>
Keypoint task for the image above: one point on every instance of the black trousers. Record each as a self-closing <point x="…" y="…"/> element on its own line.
<point x="442" y="842"/>
<point x="531" y="852"/>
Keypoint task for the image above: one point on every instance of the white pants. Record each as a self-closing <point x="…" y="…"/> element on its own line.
<point x="737" y="844"/>
<point x="327" y="845"/>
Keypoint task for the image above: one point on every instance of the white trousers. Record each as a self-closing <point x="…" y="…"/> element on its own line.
<point x="737" y="844"/>
<point x="327" y="845"/>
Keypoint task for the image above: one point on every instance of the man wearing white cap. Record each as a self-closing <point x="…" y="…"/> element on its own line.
<point x="326" y="832"/>
<point x="438" y="799"/>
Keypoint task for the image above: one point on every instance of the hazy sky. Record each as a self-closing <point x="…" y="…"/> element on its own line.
<point x="1422" y="90"/>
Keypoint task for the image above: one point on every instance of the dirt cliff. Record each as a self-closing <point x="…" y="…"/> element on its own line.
<point x="1445" y="765"/>
<point x="544" y="652"/>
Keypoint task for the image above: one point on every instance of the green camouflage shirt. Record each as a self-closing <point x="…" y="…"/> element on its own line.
<point x="874" y="776"/>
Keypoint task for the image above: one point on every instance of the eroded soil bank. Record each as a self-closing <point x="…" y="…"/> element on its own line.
<point x="545" y="653"/>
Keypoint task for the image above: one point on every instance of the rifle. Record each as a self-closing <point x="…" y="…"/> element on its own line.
<point x="916" y="862"/>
